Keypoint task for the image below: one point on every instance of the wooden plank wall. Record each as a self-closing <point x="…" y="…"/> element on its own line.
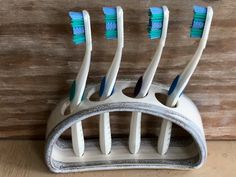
<point x="38" y="61"/>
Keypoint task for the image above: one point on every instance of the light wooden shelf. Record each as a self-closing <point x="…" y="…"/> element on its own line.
<point x="19" y="158"/>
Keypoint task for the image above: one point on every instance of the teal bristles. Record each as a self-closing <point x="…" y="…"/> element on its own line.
<point x="198" y="22"/>
<point x="111" y="22"/>
<point x="155" y="25"/>
<point x="77" y="23"/>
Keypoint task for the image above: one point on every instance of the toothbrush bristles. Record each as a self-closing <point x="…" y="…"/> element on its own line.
<point x="198" y="22"/>
<point x="111" y="22"/>
<point x="155" y="22"/>
<point x="77" y="23"/>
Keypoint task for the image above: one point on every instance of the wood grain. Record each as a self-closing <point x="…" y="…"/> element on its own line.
<point x="25" y="159"/>
<point x="38" y="61"/>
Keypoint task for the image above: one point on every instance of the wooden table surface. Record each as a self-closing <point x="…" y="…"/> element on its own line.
<point x="25" y="159"/>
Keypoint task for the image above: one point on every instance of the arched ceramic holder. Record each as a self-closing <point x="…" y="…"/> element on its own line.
<point x="182" y="154"/>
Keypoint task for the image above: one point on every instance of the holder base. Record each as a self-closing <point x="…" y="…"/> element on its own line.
<point x="182" y="154"/>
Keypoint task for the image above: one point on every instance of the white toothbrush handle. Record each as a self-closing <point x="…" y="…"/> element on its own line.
<point x="166" y="128"/>
<point x="164" y="138"/>
<point x="165" y="132"/>
<point x="105" y="133"/>
<point x="135" y="124"/>
<point x="76" y="129"/>
<point x="135" y="132"/>
<point x="77" y="138"/>
<point x="104" y="129"/>
<point x="104" y="123"/>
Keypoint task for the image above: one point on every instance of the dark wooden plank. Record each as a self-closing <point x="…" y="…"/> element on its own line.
<point x="38" y="61"/>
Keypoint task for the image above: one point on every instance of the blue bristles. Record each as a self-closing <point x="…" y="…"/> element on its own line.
<point x="198" y="23"/>
<point x="156" y="16"/>
<point x="199" y="9"/>
<point x="76" y="15"/>
<point x="109" y="11"/>
<point x="156" y="10"/>
<point x="111" y="22"/>
<point x="77" y="23"/>
<point x="111" y="26"/>
<point x="155" y="25"/>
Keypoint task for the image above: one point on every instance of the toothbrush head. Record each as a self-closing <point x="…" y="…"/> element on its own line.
<point x="111" y="22"/>
<point x="198" y="23"/>
<point x="156" y="16"/>
<point x="77" y="23"/>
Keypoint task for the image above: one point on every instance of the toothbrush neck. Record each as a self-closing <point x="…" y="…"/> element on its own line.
<point x="115" y="63"/>
<point x="84" y="69"/>
<point x="162" y="42"/>
<point x="158" y="52"/>
<point x="120" y="41"/>
<point x="150" y="71"/>
<point x="186" y="75"/>
<point x="190" y="68"/>
<point x="87" y="57"/>
<point x="202" y="44"/>
<point x="113" y="71"/>
<point x="88" y="45"/>
<point x="81" y="79"/>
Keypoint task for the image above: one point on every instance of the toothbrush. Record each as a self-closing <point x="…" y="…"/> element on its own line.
<point x="114" y="30"/>
<point x="157" y="28"/>
<point x="81" y="33"/>
<point x="200" y="29"/>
